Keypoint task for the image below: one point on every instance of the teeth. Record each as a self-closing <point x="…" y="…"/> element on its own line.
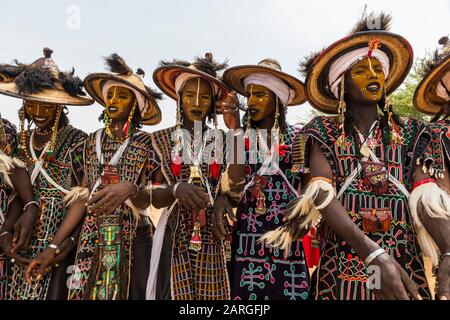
<point x="40" y="119"/>
<point x="373" y="87"/>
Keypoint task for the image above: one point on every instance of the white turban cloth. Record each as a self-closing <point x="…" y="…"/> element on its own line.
<point x="344" y="62"/>
<point x="185" y="76"/>
<point x="276" y="85"/>
<point x="140" y="98"/>
<point x="441" y="91"/>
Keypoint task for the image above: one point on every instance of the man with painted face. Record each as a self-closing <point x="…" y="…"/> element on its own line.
<point x="192" y="164"/>
<point x="53" y="163"/>
<point x="258" y="271"/>
<point x="115" y="241"/>
<point x="361" y="165"/>
<point x="432" y="97"/>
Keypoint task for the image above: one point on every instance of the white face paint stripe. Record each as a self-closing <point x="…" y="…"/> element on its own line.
<point x="198" y="91"/>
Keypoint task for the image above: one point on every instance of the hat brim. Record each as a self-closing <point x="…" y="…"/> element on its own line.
<point x="94" y="82"/>
<point x="165" y="76"/>
<point x="425" y="98"/>
<point x="235" y="76"/>
<point x="54" y="96"/>
<point x="397" y="48"/>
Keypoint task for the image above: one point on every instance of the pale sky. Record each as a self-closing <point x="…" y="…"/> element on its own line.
<point x="242" y="31"/>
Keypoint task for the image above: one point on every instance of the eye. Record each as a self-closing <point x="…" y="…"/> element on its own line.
<point x="123" y="97"/>
<point x="260" y="95"/>
<point x="206" y="97"/>
<point x="110" y="96"/>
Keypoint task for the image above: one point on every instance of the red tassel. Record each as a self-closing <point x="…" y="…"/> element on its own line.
<point x="126" y="128"/>
<point x="214" y="170"/>
<point x="247" y="143"/>
<point x="175" y="164"/>
<point x="281" y="149"/>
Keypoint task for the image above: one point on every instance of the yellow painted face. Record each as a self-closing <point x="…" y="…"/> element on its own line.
<point x="261" y="102"/>
<point x="118" y="103"/>
<point x="42" y="114"/>
<point x="365" y="81"/>
<point x="196" y="99"/>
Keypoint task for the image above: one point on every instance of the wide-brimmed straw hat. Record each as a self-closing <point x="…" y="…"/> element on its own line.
<point x="42" y="81"/>
<point x="369" y="30"/>
<point x="235" y="78"/>
<point x="434" y="69"/>
<point x="122" y="73"/>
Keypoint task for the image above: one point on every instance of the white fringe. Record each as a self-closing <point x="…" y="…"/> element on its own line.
<point x="8" y="163"/>
<point x="304" y="207"/>
<point x="436" y="203"/>
<point x="75" y="194"/>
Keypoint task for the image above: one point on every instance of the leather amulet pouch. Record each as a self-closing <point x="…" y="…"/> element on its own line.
<point x="110" y="175"/>
<point x="376" y="220"/>
<point x="376" y="175"/>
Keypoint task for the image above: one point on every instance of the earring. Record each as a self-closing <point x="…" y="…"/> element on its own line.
<point x="396" y="138"/>
<point x="340" y="142"/>
<point x="50" y="154"/>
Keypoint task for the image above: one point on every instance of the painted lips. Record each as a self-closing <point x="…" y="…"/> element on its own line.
<point x="373" y="87"/>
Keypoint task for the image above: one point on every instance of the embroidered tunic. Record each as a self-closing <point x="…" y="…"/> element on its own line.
<point x="259" y="272"/>
<point x="195" y="275"/>
<point x="66" y="171"/>
<point x="341" y="274"/>
<point x="104" y="253"/>
<point x="7" y="195"/>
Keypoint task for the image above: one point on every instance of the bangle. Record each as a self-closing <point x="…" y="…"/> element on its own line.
<point x="174" y="189"/>
<point x="421" y="182"/>
<point x="30" y="203"/>
<point x="372" y="256"/>
<point x="4" y="233"/>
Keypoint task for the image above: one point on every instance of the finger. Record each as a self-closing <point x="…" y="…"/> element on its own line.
<point x="220" y="226"/>
<point x="16" y="234"/>
<point x="230" y="213"/>
<point x="198" y="202"/>
<point x="96" y="196"/>
<point x="97" y="206"/>
<point x="204" y="196"/>
<point x="22" y="261"/>
<point x="41" y="270"/>
<point x="103" y="209"/>
<point x="30" y="268"/>
<point x="23" y="239"/>
<point x="411" y="288"/>
<point x="443" y="292"/>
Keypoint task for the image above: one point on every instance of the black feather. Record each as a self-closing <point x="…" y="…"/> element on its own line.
<point x="305" y="65"/>
<point x="34" y="80"/>
<point x="372" y="21"/>
<point x="12" y="71"/>
<point x="116" y="64"/>
<point x="155" y="94"/>
<point x="177" y="62"/>
<point x="72" y="85"/>
<point x="208" y="65"/>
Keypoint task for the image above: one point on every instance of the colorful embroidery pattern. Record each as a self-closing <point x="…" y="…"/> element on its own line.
<point x="52" y="210"/>
<point x="195" y="275"/>
<point x="341" y="274"/>
<point x="6" y="197"/>
<point x="259" y="272"/>
<point x="104" y="253"/>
